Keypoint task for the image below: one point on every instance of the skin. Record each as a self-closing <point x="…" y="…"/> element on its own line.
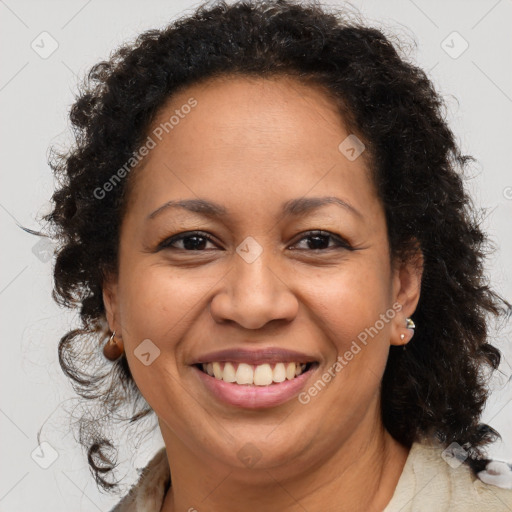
<point x="251" y="145"/>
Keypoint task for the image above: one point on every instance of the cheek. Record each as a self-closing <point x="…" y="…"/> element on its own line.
<point x="155" y="305"/>
<point x="155" y="302"/>
<point x="350" y="303"/>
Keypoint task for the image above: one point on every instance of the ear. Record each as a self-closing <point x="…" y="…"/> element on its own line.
<point x="406" y="292"/>
<point x="110" y="300"/>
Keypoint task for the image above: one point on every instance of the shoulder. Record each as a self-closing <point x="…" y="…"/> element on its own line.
<point x="432" y="479"/>
<point x="147" y="495"/>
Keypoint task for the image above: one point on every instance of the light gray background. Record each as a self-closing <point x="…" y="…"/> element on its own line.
<point x="35" y="94"/>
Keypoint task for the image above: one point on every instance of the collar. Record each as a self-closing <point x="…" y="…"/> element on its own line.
<point x="148" y="494"/>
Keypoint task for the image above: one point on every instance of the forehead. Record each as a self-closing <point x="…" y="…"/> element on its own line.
<point x="261" y="113"/>
<point x="250" y="141"/>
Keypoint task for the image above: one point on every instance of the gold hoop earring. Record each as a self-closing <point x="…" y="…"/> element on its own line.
<point x="113" y="348"/>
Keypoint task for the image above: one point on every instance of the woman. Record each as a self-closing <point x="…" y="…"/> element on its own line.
<point x="265" y="227"/>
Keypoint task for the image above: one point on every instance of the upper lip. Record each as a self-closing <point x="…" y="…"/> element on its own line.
<point x="260" y="356"/>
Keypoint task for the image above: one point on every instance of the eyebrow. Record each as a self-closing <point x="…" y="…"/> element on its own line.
<point x="293" y="207"/>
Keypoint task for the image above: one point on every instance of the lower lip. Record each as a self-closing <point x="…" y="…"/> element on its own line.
<point x="251" y="396"/>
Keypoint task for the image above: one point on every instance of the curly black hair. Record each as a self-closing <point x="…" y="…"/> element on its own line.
<point x="437" y="386"/>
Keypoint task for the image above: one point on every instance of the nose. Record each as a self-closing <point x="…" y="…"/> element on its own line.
<point x="253" y="295"/>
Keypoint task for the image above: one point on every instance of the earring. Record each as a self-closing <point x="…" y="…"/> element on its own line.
<point x="409" y="325"/>
<point x="113" y="348"/>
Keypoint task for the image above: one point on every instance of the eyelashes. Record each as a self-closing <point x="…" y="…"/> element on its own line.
<point x="317" y="235"/>
<point x="168" y="242"/>
<point x="339" y="242"/>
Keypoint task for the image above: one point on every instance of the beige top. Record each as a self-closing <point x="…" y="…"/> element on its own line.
<point x="427" y="484"/>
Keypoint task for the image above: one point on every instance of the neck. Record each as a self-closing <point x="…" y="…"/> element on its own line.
<point x="360" y="474"/>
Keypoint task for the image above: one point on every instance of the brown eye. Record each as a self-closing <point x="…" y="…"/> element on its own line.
<point x="319" y="241"/>
<point x="192" y="241"/>
<point x="197" y="241"/>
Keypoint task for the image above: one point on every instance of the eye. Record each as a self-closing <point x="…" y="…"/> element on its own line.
<point x="192" y="241"/>
<point x="319" y="240"/>
<point x="197" y="240"/>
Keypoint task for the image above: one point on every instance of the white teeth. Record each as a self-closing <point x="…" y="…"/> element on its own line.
<point x="244" y="374"/>
<point x="217" y="370"/>
<point x="263" y="375"/>
<point x="258" y="375"/>
<point x="290" y="371"/>
<point x="228" y="374"/>
<point x="279" y="373"/>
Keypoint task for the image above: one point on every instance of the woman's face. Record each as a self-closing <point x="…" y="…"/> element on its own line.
<point x="263" y="284"/>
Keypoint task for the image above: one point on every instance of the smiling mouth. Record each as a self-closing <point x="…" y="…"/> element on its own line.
<point x="255" y="374"/>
